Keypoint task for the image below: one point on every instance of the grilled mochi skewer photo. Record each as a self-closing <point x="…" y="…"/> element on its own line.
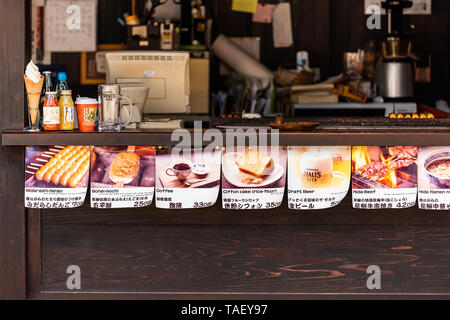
<point x="125" y="167"/>
<point x="66" y="168"/>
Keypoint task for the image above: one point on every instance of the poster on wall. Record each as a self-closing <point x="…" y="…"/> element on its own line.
<point x="434" y="178"/>
<point x="318" y="177"/>
<point x="70" y="25"/>
<point x="56" y="177"/>
<point x="384" y="177"/>
<point x="253" y="177"/>
<point x="122" y="177"/>
<point x="188" y="178"/>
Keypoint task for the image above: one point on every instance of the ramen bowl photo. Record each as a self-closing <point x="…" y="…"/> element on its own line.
<point x="437" y="168"/>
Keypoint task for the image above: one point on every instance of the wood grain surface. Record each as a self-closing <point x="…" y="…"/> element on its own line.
<point x="180" y="254"/>
<point x="367" y="137"/>
<point x="246" y="258"/>
<point x="14" y="48"/>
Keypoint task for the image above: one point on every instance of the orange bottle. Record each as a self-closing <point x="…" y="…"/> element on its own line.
<point x="51" y="112"/>
<point x="66" y="110"/>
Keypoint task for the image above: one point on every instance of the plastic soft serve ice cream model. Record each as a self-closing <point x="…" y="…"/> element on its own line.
<point x="33" y="84"/>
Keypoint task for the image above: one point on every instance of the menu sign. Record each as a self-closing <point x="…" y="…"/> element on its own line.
<point x="187" y="179"/>
<point x="122" y="177"/>
<point x="253" y="177"/>
<point x="384" y="177"/>
<point x="318" y="177"/>
<point x="434" y="178"/>
<point x="56" y="177"/>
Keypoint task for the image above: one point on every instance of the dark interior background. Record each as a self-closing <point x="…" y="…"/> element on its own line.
<point x="324" y="28"/>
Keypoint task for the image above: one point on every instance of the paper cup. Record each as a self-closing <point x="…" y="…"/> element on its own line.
<point x="86" y="113"/>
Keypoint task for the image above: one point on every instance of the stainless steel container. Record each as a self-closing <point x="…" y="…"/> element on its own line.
<point x="395" y="79"/>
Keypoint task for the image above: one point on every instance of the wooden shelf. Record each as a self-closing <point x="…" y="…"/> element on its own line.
<point x="397" y="136"/>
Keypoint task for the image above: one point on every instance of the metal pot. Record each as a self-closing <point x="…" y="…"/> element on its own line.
<point x="395" y="79"/>
<point x="396" y="48"/>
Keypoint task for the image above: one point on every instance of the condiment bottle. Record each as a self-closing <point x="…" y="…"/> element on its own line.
<point x="51" y="111"/>
<point x="66" y="110"/>
<point x="61" y="83"/>
<point x="47" y="87"/>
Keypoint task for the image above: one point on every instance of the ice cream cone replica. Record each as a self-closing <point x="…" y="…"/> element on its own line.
<point x="34" y="96"/>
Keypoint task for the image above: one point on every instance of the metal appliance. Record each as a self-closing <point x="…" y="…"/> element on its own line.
<point x="394" y="74"/>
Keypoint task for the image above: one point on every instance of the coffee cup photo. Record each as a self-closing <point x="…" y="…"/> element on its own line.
<point x="180" y="169"/>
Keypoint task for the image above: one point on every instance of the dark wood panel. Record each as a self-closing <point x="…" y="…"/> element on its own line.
<point x="12" y="58"/>
<point x="14" y="53"/>
<point x="246" y="259"/>
<point x="12" y="224"/>
<point x="33" y="251"/>
<point x="394" y="137"/>
<point x="341" y="215"/>
<point x="55" y="295"/>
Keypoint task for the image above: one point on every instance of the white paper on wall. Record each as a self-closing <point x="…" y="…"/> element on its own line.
<point x="70" y="25"/>
<point x="419" y="6"/>
<point x="282" y="25"/>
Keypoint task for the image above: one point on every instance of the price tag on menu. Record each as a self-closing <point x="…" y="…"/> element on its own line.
<point x="384" y="177"/>
<point x="122" y="177"/>
<point x="54" y="198"/>
<point x="187" y="179"/>
<point x="253" y="177"/>
<point x="384" y="199"/>
<point x="56" y="177"/>
<point x="434" y="178"/>
<point x="318" y="177"/>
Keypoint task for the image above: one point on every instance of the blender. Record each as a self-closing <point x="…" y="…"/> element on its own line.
<point x="394" y="74"/>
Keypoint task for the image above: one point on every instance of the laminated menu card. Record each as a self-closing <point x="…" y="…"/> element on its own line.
<point x="56" y="177"/>
<point x="188" y="178"/>
<point x="253" y="177"/>
<point x="384" y="177"/>
<point x="434" y="178"/>
<point x="318" y="177"/>
<point x="122" y="177"/>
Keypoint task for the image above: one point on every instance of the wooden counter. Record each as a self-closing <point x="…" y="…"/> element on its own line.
<point x="210" y="253"/>
<point x="151" y="253"/>
<point x="318" y="137"/>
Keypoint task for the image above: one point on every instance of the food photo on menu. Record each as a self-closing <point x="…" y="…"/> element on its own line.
<point x="253" y="177"/>
<point x="318" y="176"/>
<point x="434" y="178"/>
<point x="189" y="170"/>
<point x="187" y="179"/>
<point x="56" y="176"/>
<point x="375" y="167"/>
<point x="253" y="168"/>
<point x="434" y="168"/>
<point x="319" y="167"/>
<point x="57" y="167"/>
<point x="123" y="167"/>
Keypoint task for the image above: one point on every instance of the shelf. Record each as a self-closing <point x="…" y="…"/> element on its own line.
<point x="325" y="137"/>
